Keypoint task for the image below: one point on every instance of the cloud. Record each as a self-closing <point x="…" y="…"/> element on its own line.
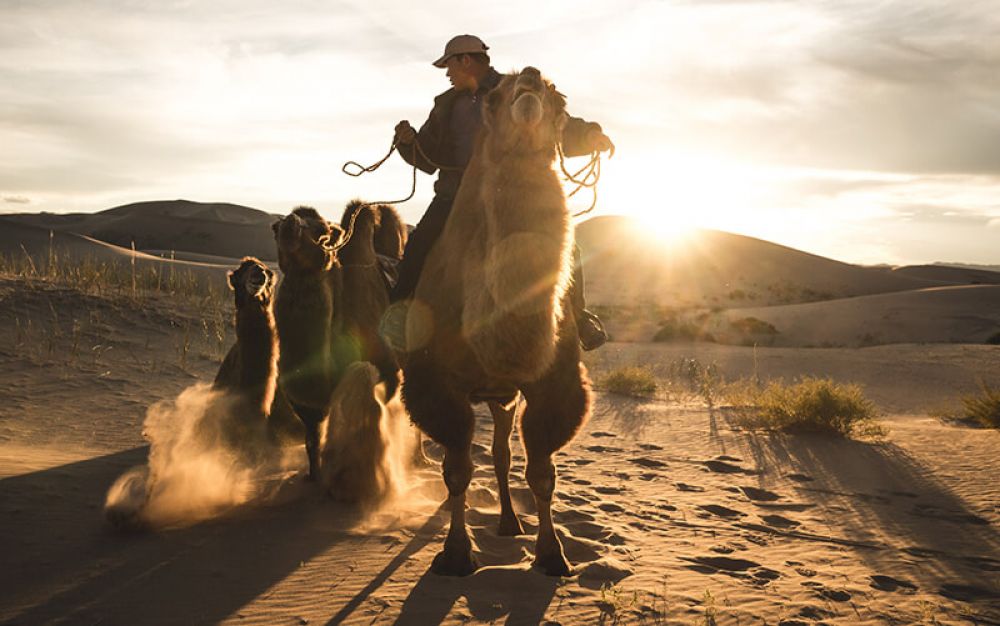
<point x="16" y="200"/>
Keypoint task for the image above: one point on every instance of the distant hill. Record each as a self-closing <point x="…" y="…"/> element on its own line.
<point x="968" y="275"/>
<point x="213" y="229"/>
<point x="714" y="268"/>
<point x="961" y="314"/>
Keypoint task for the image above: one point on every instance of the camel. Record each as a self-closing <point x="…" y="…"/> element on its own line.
<point x="328" y="307"/>
<point x="250" y="366"/>
<point x="354" y="467"/>
<point x="487" y="320"/>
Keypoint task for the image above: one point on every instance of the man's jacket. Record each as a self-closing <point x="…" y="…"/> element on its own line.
<point x="436" y="142"/>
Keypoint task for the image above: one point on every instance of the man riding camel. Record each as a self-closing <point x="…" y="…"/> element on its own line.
<point x="447" y="140"/>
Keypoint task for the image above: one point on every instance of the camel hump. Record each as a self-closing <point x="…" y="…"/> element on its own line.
<point x="390" y="232"/>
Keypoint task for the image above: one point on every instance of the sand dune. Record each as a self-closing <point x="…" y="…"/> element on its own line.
<point x="967" y="314"/>
<point x="718" y="268"/>
<point x="946" y="273"/>
<point x="226" y="230"/>
<point x="33" y="246"/>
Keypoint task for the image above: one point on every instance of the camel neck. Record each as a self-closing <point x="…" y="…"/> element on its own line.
<point x="257" y="337"/>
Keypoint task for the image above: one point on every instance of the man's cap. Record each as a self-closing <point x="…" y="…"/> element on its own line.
<point x="462" y="44"/>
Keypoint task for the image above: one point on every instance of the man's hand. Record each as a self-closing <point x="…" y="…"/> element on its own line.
<point x="405" y="134"/>
<point x="600" y="142"/>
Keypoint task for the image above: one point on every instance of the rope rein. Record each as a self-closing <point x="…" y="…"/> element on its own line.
<point x="591" y="175"/>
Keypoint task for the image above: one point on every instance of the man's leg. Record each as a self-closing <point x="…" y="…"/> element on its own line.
<point x="419" y="245"/>
<point x="588" y="326"/>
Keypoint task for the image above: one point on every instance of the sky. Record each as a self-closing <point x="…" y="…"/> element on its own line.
<point x="868" y="132"/>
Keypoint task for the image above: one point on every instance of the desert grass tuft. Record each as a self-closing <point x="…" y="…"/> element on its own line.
<point x="981" y="408"/>
<point x="816" y="405"/>
<point x="630" y="381"/>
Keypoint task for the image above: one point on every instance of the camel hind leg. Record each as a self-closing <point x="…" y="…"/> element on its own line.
<point x="311" y="419"/>
<point x="503" y="425"/>
<point x="447" y="418"/>
<point x="558" y="404"/>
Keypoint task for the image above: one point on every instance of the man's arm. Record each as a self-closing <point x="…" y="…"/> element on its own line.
<point x="581" y="137"/>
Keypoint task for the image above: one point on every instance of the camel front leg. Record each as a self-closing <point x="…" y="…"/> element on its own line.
<point x="549" y="555"/>
<point x="456" y="559"/>
<point x="503" y="424"/>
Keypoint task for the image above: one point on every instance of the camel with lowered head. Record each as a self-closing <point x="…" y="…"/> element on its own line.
<point x="328" y="306"/>
<point x="490" y="313"/>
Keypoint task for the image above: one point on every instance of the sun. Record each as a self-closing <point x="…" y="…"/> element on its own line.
<point x="671" y="196"/>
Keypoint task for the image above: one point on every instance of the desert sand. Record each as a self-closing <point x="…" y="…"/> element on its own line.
<point x="668" y="513"/>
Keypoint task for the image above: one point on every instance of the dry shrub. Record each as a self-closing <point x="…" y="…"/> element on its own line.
<point x="818" y="405"/>
<point x="982" y="408"/>
<point x="630" y="381"/>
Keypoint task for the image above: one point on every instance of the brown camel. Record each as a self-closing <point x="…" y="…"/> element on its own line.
<point x="328" y="307"/>
<point x="488" y="316"/>
<point x="250" y="366"/>
<point x="354" y="466"/>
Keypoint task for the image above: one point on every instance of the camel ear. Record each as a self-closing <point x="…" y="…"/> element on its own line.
<point x="275" y="226"/>
<point x="231" y="280"/>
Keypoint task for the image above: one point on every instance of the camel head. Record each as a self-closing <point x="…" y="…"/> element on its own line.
<point x="253" y="282"/>
<point x="304" y="241"/>
<point x="524" y="113"/>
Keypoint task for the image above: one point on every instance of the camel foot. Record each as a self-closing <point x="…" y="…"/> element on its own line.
<point x="454" y="563"/>
<point x="553" y="564"/>
<point x="510" y="526"/>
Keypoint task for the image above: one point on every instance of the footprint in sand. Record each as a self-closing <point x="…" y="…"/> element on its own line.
<point x="779" y="522"/>
<point x="581" y="461"/>
<point x="722" y="467"/>
<point x="572" y="515"/>
<point x="690" y="488"/>
<point x="888" y="583"/>
<point x="650" y="463"/>
<point x="799" y="478"/>
<point x="603" y="449"/>
<point x="743" y="568"/>
<point x="967" y="593"/>
<point x="601" y="433"/>
<point x="734" y="459"/>
<point x="579" y="481"/>
<point x="834" y="595"/>
<point x="759" y="495"/>
<point x="611" y="507"/>
<point x="649" y="476"/>
<point x="609" y="491"/>
<point x="712" y="564"/>
<point x="933" y="512"/>
<point x="722" y="511"/>
<point x="650" y="446"/>
<point x="796" y="507"/>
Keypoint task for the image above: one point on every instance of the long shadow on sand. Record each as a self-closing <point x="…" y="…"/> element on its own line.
<point x="522" y="595"/>
<point x="63" y="562"/>
<point x="881" y="494"/>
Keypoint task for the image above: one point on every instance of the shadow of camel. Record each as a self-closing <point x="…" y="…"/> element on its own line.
<point x="881" y="494"/>
<point x="522" y="595"/>
<point x="62" y="561"/>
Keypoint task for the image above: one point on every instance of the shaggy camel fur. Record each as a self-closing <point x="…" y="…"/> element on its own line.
<point x="488" y="316"/>
<point x="250" y="367"/>
<point x="354" y="466"/>
<point x="328" y="307"/>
